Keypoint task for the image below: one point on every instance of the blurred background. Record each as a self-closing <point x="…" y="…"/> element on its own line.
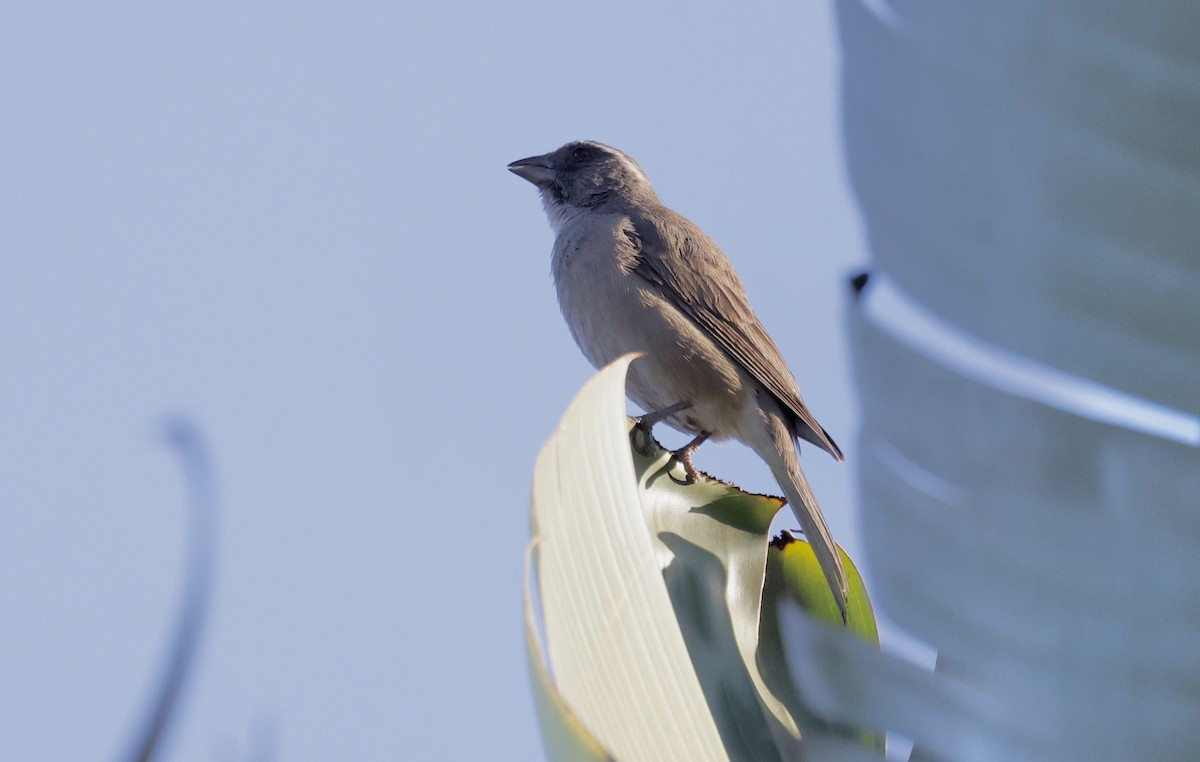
<point x="1026" y="356"/>
<point x="292" y="223"/>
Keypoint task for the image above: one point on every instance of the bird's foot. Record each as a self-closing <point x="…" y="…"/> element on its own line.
<point x="645" y="425"/>
<point x="684" y="456"/>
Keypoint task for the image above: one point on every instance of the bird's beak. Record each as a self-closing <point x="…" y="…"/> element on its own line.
<point x="538" y="170"/>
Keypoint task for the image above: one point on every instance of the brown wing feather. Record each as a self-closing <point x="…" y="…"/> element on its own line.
<point x="673" y="253"/>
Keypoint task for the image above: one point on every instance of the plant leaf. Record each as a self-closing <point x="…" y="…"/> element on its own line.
<point x="651" y="592"/>
<point x="617" y="654"/>
<point x="795" y="581"/>
<point x="563" y="735"/>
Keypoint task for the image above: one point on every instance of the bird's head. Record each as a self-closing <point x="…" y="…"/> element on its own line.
<point x="584" y="175"/>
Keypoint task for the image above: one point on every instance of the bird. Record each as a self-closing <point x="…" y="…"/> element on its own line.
<point x="632" y="275"/>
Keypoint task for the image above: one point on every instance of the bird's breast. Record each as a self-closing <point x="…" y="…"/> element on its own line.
<point x="597" y="291"/>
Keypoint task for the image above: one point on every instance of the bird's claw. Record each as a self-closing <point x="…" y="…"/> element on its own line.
<point x="683" y="456"/>
<point x="645" y="424"/>
<point x="642" y="439"/>
<point x="689" y="477"/>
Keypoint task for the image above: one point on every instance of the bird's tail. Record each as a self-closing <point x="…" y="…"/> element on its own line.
<point x="778" y="450"/>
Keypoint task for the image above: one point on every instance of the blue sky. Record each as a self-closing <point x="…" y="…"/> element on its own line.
<point x="292" y="222"/>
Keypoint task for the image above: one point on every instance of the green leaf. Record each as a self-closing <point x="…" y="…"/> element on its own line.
<point x="618" y="658"/>
<point x="563" y="735"/>
<point x="794" y="575"/>
<point x="793" y="561"/>
<point x="651" y="594"/>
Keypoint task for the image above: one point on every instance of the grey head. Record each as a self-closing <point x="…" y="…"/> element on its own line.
<point x="585" y="175"/>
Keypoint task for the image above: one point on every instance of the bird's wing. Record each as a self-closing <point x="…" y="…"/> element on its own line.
<point x="698" y="278"/>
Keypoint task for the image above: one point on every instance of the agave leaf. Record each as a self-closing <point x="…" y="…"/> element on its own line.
<point x="792" y="563"/>
<point x="796" y="583"/>
<point x="617" y="654"/>
<point x="162" y="709"/>
<point x="651" y="592"/>
<point x="563" y="735"/>
<point x="711" y="542"/>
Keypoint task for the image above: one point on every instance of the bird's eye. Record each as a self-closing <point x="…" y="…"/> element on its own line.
<point x="581" y="154"/>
